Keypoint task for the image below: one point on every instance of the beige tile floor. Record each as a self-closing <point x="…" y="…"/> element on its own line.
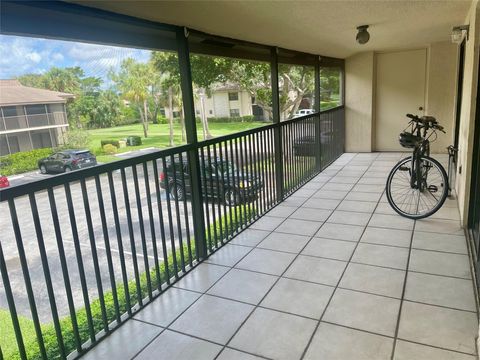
<point x="331" y="273"/>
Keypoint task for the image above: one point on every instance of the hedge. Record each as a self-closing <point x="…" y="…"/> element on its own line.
<point x="113" y="142"/>
<point x="10" y="351"/>
<point x="134" y="140"/>
<point x="22" y="161"/>
<point x="247" y="118"/>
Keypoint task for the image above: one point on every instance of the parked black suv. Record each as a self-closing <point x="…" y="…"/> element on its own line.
<point x="67" y="160"/>
<point x="233" y="188"/>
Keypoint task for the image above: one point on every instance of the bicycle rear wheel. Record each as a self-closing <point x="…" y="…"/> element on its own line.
<point x="426" y="196"/>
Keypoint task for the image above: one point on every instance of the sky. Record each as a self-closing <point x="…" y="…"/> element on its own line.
<point x="23" y="55"/>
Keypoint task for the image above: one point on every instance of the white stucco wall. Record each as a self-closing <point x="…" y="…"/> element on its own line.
<point x="360" y="73"/>
<point x="468" y="111"/>
<point x="441" y="90"/>
<point x="359" y="97"/>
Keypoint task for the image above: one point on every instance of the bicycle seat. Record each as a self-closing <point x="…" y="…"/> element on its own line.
<point x="429" y="119"/>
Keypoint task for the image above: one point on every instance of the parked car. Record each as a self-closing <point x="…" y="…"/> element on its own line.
<point x="67" y="160"/>
<point x="4" y="181"/>
<point x="308" y="146"/>
<point x="303" y="112"/>
<point x="220" y="180"/>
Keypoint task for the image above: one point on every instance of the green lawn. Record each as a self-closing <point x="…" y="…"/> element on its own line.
<point x="7" y="335"/>
<point x="158" y="135"/>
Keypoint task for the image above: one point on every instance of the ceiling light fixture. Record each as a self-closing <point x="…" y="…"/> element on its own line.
<point x="458" y="33"/>
<point x="363" y="36"/>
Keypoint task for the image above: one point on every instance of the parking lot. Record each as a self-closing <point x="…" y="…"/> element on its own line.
<point x="85" y="241"/>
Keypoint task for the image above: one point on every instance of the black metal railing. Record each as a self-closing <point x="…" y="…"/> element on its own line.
<point x="84" y="251"/>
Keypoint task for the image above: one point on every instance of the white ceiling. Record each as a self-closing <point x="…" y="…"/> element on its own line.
<point x="321" y="27"/>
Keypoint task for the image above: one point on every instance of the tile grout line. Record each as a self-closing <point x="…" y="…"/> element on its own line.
<point x="188" y="307"/>
<point x="286" y="269"/>
<point x="278" y="276"/>
<point x="338" y="282"/>
<point x="397" y="327"/>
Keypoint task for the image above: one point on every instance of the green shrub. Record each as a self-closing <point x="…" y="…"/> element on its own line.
<point x="162" y="120"/>
<point x="246" y="118"/>
<point x="110" y="142"/>
<point x="109" y="149"/>
<point x="75" y="139"/>
<point x="232" y="222"/>
<point x="127" y="121"/>
<point x="22" y="161"/>
<point x="134" y="140"/>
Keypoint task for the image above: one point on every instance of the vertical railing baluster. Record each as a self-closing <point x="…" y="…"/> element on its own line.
<point x="170" y="220"/>
<point x="206" y="199"/>
<point x="233" y="160"/>
<point x="243" y="161"/>
<point x="152" y="225"/>
<point x="185" y="209"/>
<point x="212" y="195"/>
<point x="26" y="277"/>
<point x="225" y="187"/>
<point x="118" y="230"/>
<point x="142" y="231"/>
<point x="131" y="235"/>
<point x="64" y="266"/>
<point x="108" y="251"/>
<point x="177" y="212"/>
<point x="219" y="194"/>
<point x="237" y="168"/>
<point x="232" y="209"/>
<point x="78" y="254"/>
<point x="160" y="218"/>
<point x="11" y="306"/>
<point x="46" y="274"/>
<point x="93" y="248"/>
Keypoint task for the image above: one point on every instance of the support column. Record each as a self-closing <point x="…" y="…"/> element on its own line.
<point x="276" y="120"/>
<point x="191" y="132"/>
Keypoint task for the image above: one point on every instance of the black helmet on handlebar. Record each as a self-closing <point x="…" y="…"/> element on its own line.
<point x="409" y="140"/>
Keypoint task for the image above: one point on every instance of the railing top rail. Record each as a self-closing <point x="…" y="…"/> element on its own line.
<point x="235" y="135"/>
<point x="43" y="184"/>
<point x="23" y="189"/>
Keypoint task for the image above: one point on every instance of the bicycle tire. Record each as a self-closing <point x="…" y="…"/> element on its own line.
<point x="388" y="188"/>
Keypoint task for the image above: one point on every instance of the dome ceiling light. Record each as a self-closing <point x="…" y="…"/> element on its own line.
<point x="363" y="36"/>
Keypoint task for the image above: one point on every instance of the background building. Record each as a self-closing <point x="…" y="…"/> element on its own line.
<point x="30" y="118"/>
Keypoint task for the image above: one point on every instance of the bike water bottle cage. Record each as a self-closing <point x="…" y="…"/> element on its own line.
<point x="409" y="140"/>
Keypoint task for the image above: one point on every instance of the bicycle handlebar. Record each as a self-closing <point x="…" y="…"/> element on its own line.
<point x="427" y="122"/>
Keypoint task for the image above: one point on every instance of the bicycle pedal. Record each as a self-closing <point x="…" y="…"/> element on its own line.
<point x="432" y="188"/>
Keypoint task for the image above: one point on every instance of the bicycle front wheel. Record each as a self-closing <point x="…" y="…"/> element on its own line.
<point x="422" y="197"/>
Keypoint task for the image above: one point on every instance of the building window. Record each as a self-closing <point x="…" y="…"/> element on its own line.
<point x="233" y="96"/>
<point x="35" y="109"/>
<point x="198" y="112"/>
<point x="234" y="113"/>
<point x="176" y="114"/>
<point x="9" y="111"/>
<point x="210" y="112"/>
<point x="162" y="112"/>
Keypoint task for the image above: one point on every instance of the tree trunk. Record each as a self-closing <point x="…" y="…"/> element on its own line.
<point x="143" y="122"/>
<point x="206" y="130"/>
<point x="170" y="114"/>
<point x="145" y="114"/>
<point x="182" y="124"/>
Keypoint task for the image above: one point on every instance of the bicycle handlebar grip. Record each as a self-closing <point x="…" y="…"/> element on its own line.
<point x="411" y="116"/>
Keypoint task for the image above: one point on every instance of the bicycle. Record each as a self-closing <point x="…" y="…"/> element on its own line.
<point x="417" y="186"/>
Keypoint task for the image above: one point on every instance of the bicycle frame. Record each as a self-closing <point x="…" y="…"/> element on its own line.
<point x="422" y="149"/>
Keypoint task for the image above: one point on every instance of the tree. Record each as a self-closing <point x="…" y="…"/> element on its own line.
<point x="206" y="71"/>
<point x="134" y="81"/>
<point x="69" y="80"/>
